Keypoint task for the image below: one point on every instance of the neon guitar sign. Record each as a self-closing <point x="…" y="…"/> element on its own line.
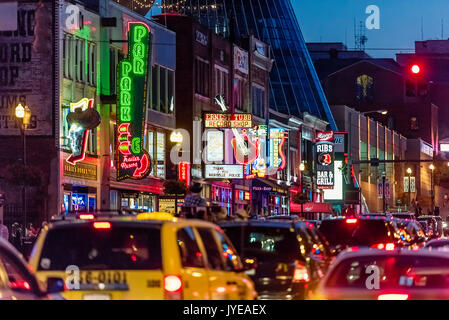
<point x="245" y="151"/>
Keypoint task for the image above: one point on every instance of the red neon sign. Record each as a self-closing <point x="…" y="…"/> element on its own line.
<point x="77" y="132"/>
<point x="245" y="151"/>
<point x="184" y="172"/>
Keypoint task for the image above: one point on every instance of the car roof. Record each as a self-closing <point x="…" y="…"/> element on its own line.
<point x="129" y="221"/>
<point x="399" y="252"/>
<point x="272" y="223"/>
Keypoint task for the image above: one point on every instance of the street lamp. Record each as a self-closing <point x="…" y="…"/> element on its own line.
<point x="432" y="196"/>
<point x="302" y="168"/>
<point x="409" y="171"/>
<point x="23" y="115"/>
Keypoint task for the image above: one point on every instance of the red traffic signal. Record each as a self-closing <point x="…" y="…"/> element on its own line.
<point x="415" y="69"/>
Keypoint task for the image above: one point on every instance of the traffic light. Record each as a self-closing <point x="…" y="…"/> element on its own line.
<point x="416" y="82"/>
<point x="415" y="69"/>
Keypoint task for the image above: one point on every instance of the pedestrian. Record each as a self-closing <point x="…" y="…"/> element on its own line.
<point x="16" y="236"/>
<point x="241" y="215"/>
<point x="193" y="198"/>
<point x="221" y="215"/>
<point x="4" y="232"/>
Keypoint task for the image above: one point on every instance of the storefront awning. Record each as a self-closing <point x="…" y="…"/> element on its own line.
<point x="267" y="186"/>
<point x="311" y="207"/>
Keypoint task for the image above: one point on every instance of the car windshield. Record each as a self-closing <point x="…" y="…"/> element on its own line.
<point x="405" y="271"/>
<point x="117" y="248"/>
<point x="265" y="243"/>
<point x="358" y="232"/>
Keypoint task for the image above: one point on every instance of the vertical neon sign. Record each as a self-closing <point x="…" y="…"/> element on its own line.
<point x="133" y="160"/>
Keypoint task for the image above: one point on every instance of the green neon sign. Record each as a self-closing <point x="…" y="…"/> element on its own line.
<point x="133" y="161"/>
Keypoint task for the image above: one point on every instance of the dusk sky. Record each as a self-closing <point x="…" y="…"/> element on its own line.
<point x="400" y="22"/>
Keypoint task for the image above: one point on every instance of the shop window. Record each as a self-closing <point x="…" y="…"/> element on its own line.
<point x="160" y="156"/>
<point x="202" y="77"/>
<point x="414" y="123"/>
<point x="365" y="86"/>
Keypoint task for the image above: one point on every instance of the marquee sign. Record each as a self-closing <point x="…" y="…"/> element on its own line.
<point x="133" y="161"/>
<point x="324" y="157"/>
<point x="228" y="120"/>
<point x="81" y="118"/>
<point x="224" y="171"/>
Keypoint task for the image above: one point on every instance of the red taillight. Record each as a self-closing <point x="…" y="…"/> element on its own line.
<point x="86" y="216"/>
<point x="20" y="284"/>
<point x="102" y="225"/>
<point x="384" y="246"/>
<point x="351" y="221"/>
<point x="301" y="273"/>
<point x="392" y="296"/>
<point x="173" y="287"/>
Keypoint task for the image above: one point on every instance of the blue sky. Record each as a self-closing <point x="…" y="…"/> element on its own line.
<point x="400" y="22"/>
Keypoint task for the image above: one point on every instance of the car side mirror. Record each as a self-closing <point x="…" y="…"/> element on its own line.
<point x="55" y="285"/>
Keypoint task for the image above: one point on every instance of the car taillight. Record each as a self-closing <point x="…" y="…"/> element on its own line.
<point x="351" y="221"/>
<point x="301" y="273"/>
<point x="86" y="216"/>
<point x="392" y="296"/>
<point x="102" y="225"/>
<point x="173" y="287"/>
<point x="384" y="246"/>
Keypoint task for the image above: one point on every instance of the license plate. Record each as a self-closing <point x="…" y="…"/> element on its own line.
<point x="106" y="277"/>
<point x="97" y="297"/>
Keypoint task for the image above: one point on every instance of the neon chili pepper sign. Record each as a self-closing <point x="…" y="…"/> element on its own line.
<point x="133" y="161"/>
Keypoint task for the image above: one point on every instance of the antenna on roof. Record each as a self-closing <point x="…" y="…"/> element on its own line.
<point x="360" y="38"/>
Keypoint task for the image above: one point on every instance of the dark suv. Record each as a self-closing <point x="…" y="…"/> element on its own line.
<point x="361" y="232"/>
<point x="289" y="259"/>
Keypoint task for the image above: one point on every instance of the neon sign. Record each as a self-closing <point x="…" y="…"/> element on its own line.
<point x="184" y="172"/>
<point x="278" y="159"/>
<point x="133" y="160"/>
<point x="324" y="153"/>
<point x="81" y="118"/>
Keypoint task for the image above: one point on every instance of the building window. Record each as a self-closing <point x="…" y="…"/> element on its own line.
<point x="239" y="93"/>
<point x="202" y="77"/>
<point x="365" y="86"/>
<point x="221" y="82"/>
<point x="162" y="89"/>
<point x="155" y="144"/>
<point x="67" y="57"/>
<point x="79" y="59"/>
<point x="258" y="101"/>
<point x="92" y="64"/>
<point x="414" y="123"/>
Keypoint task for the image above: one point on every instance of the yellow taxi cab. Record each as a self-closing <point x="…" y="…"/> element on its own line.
<point x="150" y="256"/>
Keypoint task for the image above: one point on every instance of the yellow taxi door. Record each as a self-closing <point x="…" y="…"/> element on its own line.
<point x="243" y="288"/>
<point x="192" y="265"/>
<point x="222" y="286"/>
